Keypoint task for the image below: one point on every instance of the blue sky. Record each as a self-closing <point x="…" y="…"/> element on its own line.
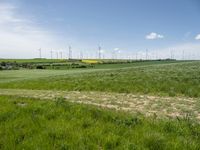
<point x="127" y="26"/>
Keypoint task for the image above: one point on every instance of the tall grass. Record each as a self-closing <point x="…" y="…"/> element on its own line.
<point x="34" y="124"/>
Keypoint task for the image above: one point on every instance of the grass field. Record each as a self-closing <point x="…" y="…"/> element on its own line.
<point x="32" y="60"/>
<point x="171" y="79"/>
<point x="139" y="105"/>
<point x="35" y="124"/>
<point x="7" y="76"/>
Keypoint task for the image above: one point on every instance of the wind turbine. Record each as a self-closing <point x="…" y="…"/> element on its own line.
<point x="146" y="54"/>
<point x="70" y="52"/>
<point x="99" y="51"/>
<point x="183" y="55"/>
<point x="40" y="53"/>
<point x="171" y="54"/>
<point x="57" y="55"/>
<point x="61" y="55"/>
<point x="81" y="55"/>
<point x="136" y="56"/>
<point x="51" y="54"/>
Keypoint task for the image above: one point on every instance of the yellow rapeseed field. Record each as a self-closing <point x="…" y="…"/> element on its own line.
<point x="90" y="61"/>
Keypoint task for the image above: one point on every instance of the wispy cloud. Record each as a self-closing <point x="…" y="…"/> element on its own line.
<point x="7" y="14"/>
<point x="154" y="36"/>
<point x="197" y="37"/>
<point x="116" y="49"/>
<point x="20" y="34"/>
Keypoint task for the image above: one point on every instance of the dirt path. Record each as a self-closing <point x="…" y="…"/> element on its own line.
<point x="147" y="105"/>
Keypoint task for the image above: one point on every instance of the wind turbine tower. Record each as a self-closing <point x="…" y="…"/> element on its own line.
<point x="70" y="52"/>
<point x="172" y="54"/>
<point x="146" y="54"/>
<point x="183" y="55"/>
<point x="61" y="55"/>
<point x="51" y="54"/>
<point x="57" y="55"/>
<point x="99" y="51"/>
<point x="81" y="55"/>
<point x="40" y="53"/>
<point x="136" y="56"/>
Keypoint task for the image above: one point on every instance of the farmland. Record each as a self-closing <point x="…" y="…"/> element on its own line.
<point x="111" y="105"/>
<point x="170" y="79"/>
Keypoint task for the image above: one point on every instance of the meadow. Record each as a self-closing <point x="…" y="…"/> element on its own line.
<point x="28" y="123"/>
<point x="170" y="79"/>
<point x="132" y="105"/>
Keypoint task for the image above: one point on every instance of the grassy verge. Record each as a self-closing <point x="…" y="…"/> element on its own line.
<point x="27" y="123"/>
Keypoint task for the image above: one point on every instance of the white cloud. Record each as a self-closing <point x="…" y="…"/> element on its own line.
<point x="197" y="37"/>
<point x="153" y="36"/>
<point x="116" y="49"/>
<point x="20" y="37"/>
<point x="102" y="51"/>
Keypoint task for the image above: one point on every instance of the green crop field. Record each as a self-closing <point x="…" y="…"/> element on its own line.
<point x="181" y="78"/>
<point x="131" y="105"/>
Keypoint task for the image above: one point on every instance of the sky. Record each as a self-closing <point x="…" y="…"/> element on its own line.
<point x="123" y="28"/>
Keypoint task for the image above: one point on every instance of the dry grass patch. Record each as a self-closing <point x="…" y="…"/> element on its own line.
<point x="147" y="105"/>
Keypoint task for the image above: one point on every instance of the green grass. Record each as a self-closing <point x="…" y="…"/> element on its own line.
<point x="33" y="60"/>
<point x="24" y="75"/>
<point x="16" y="75"/>
<point x="27" y="123"/>
<point x="171" y="79"/>
<point x="133" y="64"/>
